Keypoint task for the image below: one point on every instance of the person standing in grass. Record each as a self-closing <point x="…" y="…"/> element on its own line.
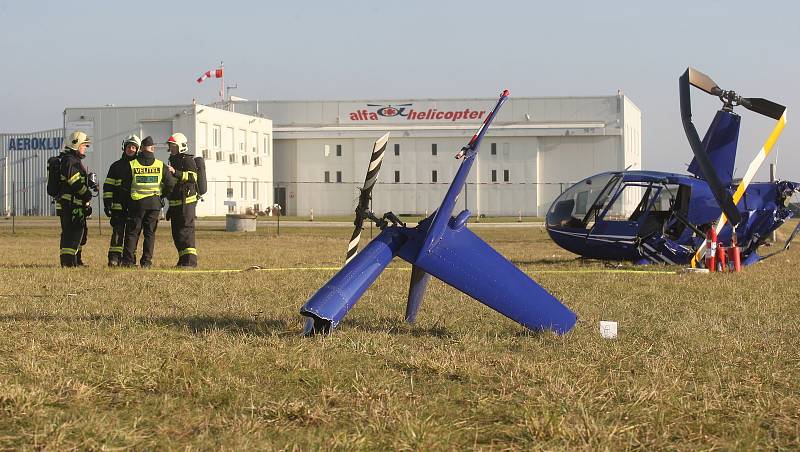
<point x="114" y="205"/>
<point x="183" y="199"/>
<point x="73" y="196"/>
<point x="143" y="186"/>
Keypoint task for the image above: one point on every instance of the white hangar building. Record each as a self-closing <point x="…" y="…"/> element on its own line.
<point x="237" y="148"/>
<point x="535" y="148"/>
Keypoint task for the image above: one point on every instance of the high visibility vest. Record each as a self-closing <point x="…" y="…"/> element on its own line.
<point x="146" y="179"/>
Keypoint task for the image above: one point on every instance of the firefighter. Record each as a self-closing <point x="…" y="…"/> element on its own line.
<point x="143" y="185"/>
<point x="114" y="205"/>
<point x="75" y="192"/>
<point x="183" y="199"/>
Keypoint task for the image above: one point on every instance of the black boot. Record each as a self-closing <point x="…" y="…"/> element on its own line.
<point x="187" y="261"/>
<point x="68" y="260"/>
<point x="113" y="259"/>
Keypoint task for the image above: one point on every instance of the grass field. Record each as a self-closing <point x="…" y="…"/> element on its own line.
<point x="96" y="358"/>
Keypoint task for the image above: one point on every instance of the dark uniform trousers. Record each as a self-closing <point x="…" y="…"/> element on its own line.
<point x="182" y="221"/>
<point x="117" y="237"/>
<point x="140" y="222"/>
<point x="73" y="234"/>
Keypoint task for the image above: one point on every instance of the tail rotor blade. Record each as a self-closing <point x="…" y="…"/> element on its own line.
<point x="375" y="160"/>
<point x="702" y="81"/>
<point x="763" y="106"/>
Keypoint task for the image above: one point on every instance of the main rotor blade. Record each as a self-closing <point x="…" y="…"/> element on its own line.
<point x="761" y="155"/>
<point x="702" y="81"/>
<point x="375" y="160"/>
<point x="701" y="156"/>
<point x="763" y="106"/>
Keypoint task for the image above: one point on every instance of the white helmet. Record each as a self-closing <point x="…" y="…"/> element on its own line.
<point x="179" y="140"/>
<point x="76" y="139"/>
<point x="132" y="139"/>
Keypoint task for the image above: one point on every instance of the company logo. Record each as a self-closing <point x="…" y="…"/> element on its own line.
<point x="378" y="111"/>
<point x="391" y="110"/>
<point x="27" y="144"/>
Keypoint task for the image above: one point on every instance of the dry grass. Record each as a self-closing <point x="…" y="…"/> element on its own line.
<point x="95" y="358"/>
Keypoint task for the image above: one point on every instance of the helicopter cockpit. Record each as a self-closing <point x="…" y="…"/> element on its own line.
<point x="630" y="204"/>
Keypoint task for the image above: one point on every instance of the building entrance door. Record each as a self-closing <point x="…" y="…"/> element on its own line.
<point x="280" y="199"/>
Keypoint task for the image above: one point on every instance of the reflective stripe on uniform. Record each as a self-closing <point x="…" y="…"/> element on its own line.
<point x="82" y="190"/>
<point x="114" y="249"/>
<point x="110" y="181"/>
<point x="70" y="251"/>
<point x="188" y="251"/>
<point x="74" y="178"/>
<point x="116" y="206"/>
<point x="185" y="176"/>
<point x="108" y="194"/>
<point x="178" y="202"/>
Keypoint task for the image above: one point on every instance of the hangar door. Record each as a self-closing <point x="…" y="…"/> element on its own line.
<point x="159" y="130"/>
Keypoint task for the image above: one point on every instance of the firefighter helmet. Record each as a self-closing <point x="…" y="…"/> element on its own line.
<point x="76" y="139"/>
<point x="179" y="140"/>
<point x="132" y="139"/>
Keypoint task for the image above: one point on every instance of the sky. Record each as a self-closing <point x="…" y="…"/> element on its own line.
<point x="91" y="53"/>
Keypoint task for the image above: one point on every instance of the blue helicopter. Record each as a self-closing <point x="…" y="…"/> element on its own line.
<point x="442" y="246"/>
<point x="656" y="217"/>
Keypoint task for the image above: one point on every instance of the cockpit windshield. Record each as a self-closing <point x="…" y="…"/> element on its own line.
<point x="581" y="202"/>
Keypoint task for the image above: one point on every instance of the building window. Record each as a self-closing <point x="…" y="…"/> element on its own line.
<point x="327" y="150"/>
<point x="505" y="175"/>
<point x="220" y="156"/>
<point x="253" y="141"/>
<point x="339" y="176"/>
<point x="494" y="175"/>
<point x="434" y="150"/>
<point x="232" y="158"/>
<point x="243" y="185"/>
<point x="397" y="149"/>
<point x="327" y="176"/>
<point x="202" y="134"/>
<point x="227" y="140"/>
<point x="242" y="140"/>
<point x="397" y="176"/>
<point x="255" y="190"/>
<point x="217" y="136"/>
<point x="265" y="149"/>
<point x="338" y="150"/>
<point x="494" y="149"/>
<point x="434" y="176"/>
<point x="229" y="193"/>
<point x="256" y="161"/>
<point x="244" y="160"/>
<point x="205" y="154"/>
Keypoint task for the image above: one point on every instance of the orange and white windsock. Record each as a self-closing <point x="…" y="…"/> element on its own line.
<point x="216" y="73"/>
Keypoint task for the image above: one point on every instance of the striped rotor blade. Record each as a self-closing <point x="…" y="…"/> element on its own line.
<point x="375" y="161"/>
<point x="352" y="247"/>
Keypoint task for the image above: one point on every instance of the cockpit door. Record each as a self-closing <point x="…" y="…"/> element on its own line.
<point x="622" y="219"/>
